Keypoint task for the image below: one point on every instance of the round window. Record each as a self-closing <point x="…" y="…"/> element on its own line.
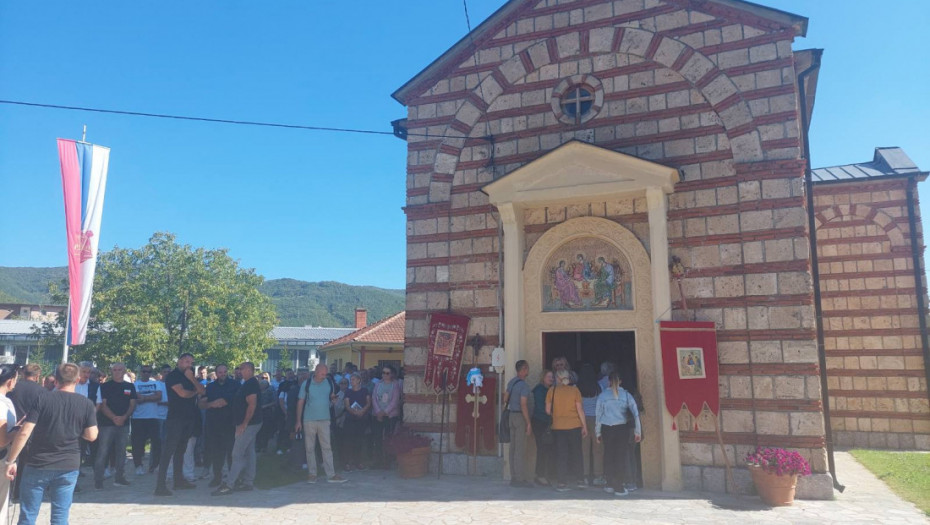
<point x="577" y="99"/>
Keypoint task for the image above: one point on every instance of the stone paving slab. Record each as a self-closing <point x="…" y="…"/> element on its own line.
<point x="378" y="497"/>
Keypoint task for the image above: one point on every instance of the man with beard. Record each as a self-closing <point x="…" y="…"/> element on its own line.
<point x="220" y="432"/>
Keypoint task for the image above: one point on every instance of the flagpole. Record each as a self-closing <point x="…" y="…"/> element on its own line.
<point x="64" y="340"/>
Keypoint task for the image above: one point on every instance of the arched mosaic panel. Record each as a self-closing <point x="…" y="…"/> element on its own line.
<point x="588" y="273"/>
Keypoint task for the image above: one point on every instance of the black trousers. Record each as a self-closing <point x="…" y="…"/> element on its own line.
<point x="545" y="454"/>
<point x="617" y="450"/>
<point x="144" y="430"/>
<point x="569" y="459"/>
<point x="177" y="433"/>
<point x="219" y="438"/>
<point x="380" y="429"/>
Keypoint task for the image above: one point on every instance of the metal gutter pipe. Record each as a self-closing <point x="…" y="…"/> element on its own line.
<point x="815" y="269"/>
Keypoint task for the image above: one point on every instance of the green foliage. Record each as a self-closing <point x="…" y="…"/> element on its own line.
<point x="329" y="303"/>
<point x="907" y="473"/>
<point x="153" y="303"/>
<point x="29" y="285"/>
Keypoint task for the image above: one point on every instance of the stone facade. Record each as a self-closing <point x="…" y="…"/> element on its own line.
<point x="875" y="365"/>
<point x="703" y="87"/>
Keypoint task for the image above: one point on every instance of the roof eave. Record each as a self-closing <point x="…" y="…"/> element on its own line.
<point x="920" y="176"/>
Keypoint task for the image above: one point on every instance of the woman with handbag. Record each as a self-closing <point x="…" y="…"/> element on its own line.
<point x="563" y="403"/>
<point x="542" y="431"/>
<point x="617" y="417"/>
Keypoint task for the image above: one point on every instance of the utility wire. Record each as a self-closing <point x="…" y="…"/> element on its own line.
<point x="213" y="120"/>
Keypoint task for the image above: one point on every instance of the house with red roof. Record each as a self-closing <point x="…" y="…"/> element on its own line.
<point x="378" y="344"/>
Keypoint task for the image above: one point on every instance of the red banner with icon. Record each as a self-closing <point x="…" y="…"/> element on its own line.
<point x="690" y="366"/>
<point x="447" y="333"/>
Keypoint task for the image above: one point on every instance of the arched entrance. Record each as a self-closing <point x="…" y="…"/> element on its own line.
<point x="579" y="176"/>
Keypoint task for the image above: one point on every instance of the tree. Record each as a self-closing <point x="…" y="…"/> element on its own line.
<point x="153" y="303"/>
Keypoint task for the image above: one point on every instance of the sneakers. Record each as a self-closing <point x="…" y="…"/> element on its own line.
<point x="621" y="493"/>
<point x="542" y="481"/>
<point x="336" y="479"/>
<point x="163" y="491"/>
<point x="582" y="485"/>
<point x="631" y="487"/>
<point x="311" y="479"/>
<point x="121" y="481"/>
<point x="244" y="488"/>
<point x="280" y="452"/>
<point x="107" y="474"/>
<point x="140" y="471"/>
<point x="224" y="490"/>
<point x="216" y="482"/>
<point x="609" y="490"/>
<point x="599" y="482"/>
<point x="561" y="487"/>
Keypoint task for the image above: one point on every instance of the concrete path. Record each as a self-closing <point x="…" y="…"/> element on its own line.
<point x="381" y="498"/>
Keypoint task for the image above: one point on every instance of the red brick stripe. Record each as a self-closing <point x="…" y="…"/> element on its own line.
<point x="879" y="414"/>
<point x="770" y="369"/>
<point x="899" y="394"/>
<point x="751" y="438"/>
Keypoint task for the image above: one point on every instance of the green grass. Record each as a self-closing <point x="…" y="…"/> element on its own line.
<point x="907" y="473"/>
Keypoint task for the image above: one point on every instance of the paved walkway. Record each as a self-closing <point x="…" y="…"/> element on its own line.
<point x="382" y="498"/>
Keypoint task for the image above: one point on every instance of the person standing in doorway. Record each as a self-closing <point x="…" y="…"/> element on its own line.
<point x="313" y="403"/>
<point x="119" y="402"/>
<point x="617" y="418"/>
<point x="183" y="389"/>
<point x="145" y="422"/>
<point x="591" y="449"/>
<point x="516" y="399"/>
<point x="563" y="403"/>
<point x="56" y="424"/>
<point x="247" y="416"/>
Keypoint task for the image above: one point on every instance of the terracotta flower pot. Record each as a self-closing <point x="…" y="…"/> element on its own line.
<point x="413" y="464"/>
<point x="775" y="490"/>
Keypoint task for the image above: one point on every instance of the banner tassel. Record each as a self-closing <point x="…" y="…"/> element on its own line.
<point x="674" y="426"/>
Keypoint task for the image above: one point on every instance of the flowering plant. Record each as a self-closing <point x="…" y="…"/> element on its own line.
<point x="779" y="461"/>
<point x="404" y="441"/>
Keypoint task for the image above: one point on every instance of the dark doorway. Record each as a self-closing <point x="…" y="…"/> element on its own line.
<point x="594" y="348"/>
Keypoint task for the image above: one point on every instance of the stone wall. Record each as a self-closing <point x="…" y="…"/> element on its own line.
<point x="875" y="366"/>
<point x="708" y="90"/>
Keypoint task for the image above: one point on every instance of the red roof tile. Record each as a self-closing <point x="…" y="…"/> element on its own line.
<point x="388" y="330"/>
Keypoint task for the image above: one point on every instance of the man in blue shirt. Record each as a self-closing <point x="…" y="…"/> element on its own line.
<point x="315" y="398"/>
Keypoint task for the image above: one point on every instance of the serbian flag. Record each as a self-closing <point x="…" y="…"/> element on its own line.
<point x="84" y="179"/>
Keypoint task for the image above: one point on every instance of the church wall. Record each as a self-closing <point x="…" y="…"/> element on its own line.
<point x="875" y="365"/>
<point x="712" y="94"/>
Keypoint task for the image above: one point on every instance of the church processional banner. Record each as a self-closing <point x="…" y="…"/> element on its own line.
<point x="689" y="366"/>
<point x="467" y="425"/>
<point x="83" y="180"/>
<point x="447" y="333"/>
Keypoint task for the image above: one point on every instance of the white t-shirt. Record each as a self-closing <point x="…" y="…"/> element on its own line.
<point x="149" y="410"/>
<point x="10" y="412"/>
<point x="161" y="409"/>
<point x="82" y="389"/>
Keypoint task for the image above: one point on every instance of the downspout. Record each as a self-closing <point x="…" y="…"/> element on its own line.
<point x="918" y="277"/>
<point x="815" y="270"/>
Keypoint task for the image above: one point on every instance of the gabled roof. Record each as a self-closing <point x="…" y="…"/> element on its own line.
<point x="578" y="170"/>
<point x="308" y="333"/>
<point x="887" y="162"/>
<point x="389" y="330"/>
<point x="462" y="49"/>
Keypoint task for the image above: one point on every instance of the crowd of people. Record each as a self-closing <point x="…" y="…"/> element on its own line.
<point x="585" y="425"/>
<point x="211" y="418"/>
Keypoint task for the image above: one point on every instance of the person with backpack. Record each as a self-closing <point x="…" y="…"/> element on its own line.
<point x="516" y="400"/>
<point x="313" y="406"/>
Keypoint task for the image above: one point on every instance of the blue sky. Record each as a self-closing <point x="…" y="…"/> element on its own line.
<point x="313" y="205"/>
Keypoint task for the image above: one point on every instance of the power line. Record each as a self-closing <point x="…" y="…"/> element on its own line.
<point x="214" y="120"/>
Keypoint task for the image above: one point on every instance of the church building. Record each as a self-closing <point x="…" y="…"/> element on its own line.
<point x="580" y="170"/>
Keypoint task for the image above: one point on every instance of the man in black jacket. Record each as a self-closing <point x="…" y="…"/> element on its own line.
<point x="220" y="432"/>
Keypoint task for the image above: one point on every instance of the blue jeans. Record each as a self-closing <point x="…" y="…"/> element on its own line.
<point x="60" y="485"/>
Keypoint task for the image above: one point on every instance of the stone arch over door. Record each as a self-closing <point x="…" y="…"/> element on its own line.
<point x="638" y="320"/>
<point x="713" y="84"/>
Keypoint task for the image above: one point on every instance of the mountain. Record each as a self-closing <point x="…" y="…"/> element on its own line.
<point x="28" y="285"/>
<point x="329" y="303"/>
<point x="298" y="303"/>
